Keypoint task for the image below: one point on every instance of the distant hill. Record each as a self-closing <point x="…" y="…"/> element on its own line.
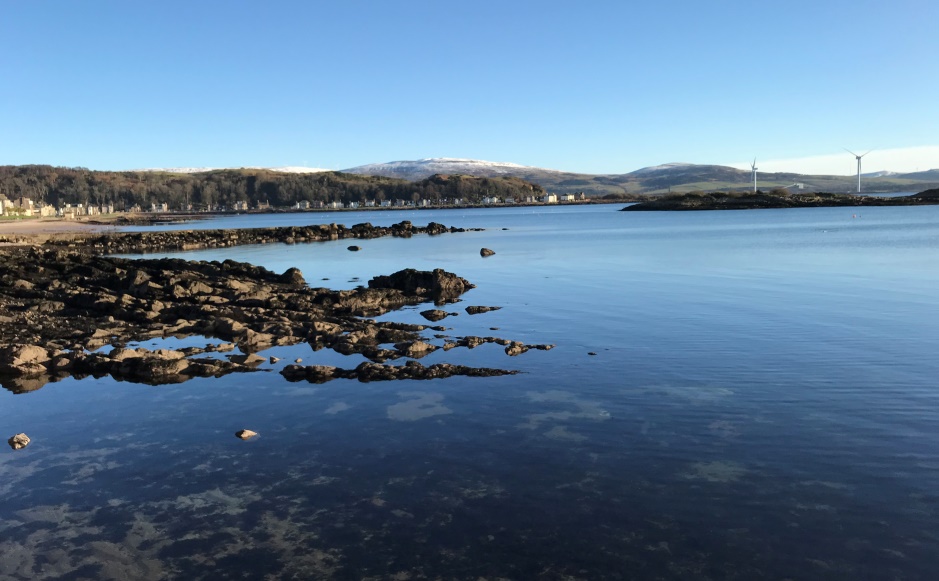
<point x="669" y="177"/>
<point x="223" y="188"/>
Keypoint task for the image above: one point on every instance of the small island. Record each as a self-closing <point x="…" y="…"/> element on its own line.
<point x="776" y="199"/>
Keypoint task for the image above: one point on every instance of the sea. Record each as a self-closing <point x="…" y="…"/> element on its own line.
<point x="733" y="395"/>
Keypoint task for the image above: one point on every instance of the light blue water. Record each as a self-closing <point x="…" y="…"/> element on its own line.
<point x="762" y="404"/>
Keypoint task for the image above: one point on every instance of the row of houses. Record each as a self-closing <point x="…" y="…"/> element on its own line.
<point x="25" y="207"/>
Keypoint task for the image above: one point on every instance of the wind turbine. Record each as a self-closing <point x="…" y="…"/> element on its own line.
<point x="858" y="166"/>
<point x="753" y="169"/>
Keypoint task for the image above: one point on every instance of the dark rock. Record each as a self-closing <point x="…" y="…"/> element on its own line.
<point x="422" y="282"/>
<point x="436" y="315"/>
<point x="474" y="310"/>
<point x="486" y="252"/>
<point x="293" y="276"/>
<point x="354" y="248"/>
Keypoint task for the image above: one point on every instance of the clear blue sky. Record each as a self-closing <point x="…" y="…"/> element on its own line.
<point x="598" y="87"/>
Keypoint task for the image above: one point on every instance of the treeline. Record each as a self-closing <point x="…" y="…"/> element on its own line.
<point x="223" y="188"/>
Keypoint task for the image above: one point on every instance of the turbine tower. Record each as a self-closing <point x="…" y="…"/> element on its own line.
<point x="858" y="166"/>
<point x="753" y="169"/>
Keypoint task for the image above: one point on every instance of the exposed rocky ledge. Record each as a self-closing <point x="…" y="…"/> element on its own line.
<point x="161" y="240"/>
<point x="776" y="199"/>
<point x="377" y="372"/>
<point x="59" y="307"/>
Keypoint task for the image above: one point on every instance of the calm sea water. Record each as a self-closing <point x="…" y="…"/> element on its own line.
<point x="763" y="404"/>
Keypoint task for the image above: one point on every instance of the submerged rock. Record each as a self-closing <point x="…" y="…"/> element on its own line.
<point x="484" y="252"/>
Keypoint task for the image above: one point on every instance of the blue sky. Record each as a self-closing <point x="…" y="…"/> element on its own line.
<point x="595" y="87"/>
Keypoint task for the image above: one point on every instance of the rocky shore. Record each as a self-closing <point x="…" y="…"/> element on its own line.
<point x="163" y="240"/>
<point x="69" y="310"/>
<point x="749" y="201"/>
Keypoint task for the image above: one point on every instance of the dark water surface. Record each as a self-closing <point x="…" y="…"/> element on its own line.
<point x="763" y="404"/>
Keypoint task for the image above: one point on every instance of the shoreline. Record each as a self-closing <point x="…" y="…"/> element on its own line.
<point x="103" y="223"/>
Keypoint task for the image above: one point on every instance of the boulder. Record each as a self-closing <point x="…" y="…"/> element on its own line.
<point x="436" y="314"/>
<point x="514" y="349"/>
<point x="423" y="282"/>
<point x="245" y="434"/>
<point x="354" y="248"/>
<point x="19" y="441"/>
<point x="415" y="349"/>
<point x="484" y="252"/>
<point x="20" y="359"/>
<point x="293" y="276"/>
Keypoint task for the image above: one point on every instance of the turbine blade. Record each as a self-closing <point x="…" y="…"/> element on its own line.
<point x="849" y="151"/>
<point x="868" y="152"/>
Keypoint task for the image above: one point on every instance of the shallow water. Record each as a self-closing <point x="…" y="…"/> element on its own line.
<point x="762" y="405"/>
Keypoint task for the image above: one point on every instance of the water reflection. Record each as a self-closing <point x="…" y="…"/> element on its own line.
<point x="763" y="407"/>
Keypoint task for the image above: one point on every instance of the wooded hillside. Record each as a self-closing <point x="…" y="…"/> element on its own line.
<point x="61" y="185"/>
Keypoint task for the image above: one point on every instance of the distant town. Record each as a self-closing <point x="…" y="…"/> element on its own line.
<point x="23" y="207"/>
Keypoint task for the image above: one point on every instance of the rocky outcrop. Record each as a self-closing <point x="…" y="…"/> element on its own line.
<point x="475" y="310"/>
<point x="245" y="434"/>
<point x="59" y="307"/>
<point x="484" y="252"/>
<point x="436" y="315"/>
<point x="24" y="360"/>
<point x="512" y="348"/>
<point x="439" y="285"/>
<point x="367" y="371"/>
<point x="154" y="241"/>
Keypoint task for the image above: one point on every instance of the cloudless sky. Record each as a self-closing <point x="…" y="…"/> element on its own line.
<point x="594" y="87"/>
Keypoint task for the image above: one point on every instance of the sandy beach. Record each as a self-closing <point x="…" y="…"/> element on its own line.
<point x="29" y="226"/>
<point x="39" y="230"/>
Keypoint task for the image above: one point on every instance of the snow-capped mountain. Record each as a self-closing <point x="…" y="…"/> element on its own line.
<point x="423" y="168"/>
<point x="663" y="168"/>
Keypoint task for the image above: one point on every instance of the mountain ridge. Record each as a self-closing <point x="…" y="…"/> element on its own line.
<point x="663" y="178"/>
<point x="672" y="177"/>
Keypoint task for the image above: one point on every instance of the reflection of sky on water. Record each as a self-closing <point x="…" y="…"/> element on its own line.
<point x="761" y="405"/>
